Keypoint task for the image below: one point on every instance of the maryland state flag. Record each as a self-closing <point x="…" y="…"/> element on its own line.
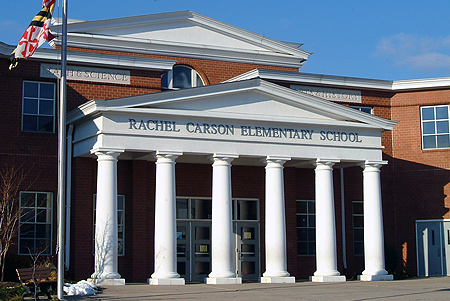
<point x="36" y="34"/>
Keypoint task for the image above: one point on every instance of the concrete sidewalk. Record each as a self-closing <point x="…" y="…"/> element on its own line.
<point x="436" y="288"/>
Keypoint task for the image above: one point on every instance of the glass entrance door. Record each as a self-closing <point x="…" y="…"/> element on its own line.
<point x="247" y="251"/>
<point x="193" y="250"/>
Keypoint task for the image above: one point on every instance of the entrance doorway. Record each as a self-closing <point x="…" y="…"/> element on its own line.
<point x="194" y="238"/>
<point x="433" y="247"/>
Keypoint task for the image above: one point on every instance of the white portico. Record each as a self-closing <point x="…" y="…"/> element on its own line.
<point x="247" y="123"/>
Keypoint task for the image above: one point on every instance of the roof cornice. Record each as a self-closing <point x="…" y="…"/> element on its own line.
<point x="82" y="34"/>
<point x="345" y="82"/>
<point x="96" y="59"/>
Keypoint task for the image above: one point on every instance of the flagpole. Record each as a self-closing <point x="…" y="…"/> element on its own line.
<point x="62" y="157"/>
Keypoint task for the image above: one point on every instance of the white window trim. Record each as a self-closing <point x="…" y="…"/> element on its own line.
<point x="435" y="134"/>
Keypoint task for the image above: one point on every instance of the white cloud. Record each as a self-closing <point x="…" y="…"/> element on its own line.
<point x="416" y="52"/>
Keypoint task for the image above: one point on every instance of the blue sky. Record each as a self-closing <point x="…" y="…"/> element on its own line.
<point x="383" y="39"/>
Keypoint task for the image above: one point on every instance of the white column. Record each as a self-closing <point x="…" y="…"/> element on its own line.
<point x="165" y="222"/>
<point x="326" y="257"/>
<point x="222" y="250"/>
<point x="373" y="224"/>
<point x="275" y="224"/>
<point x="106" y="234"/>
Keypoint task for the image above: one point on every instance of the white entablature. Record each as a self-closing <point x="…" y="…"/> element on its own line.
<point x="251" y="119"/>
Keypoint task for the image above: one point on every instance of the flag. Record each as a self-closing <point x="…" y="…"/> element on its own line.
<point x="36" y="34"/>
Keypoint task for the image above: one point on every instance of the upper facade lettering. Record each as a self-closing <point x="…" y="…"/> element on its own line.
<point x="331" y="94"/>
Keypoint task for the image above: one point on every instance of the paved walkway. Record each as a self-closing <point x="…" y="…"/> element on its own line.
<point x="436" y="288"/>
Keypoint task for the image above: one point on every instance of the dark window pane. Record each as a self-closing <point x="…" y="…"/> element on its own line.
<point x="442" y="112"/>
<point x="44" y="200"/>
<point x="165" y="80"/>
<point x="248" y="267"/>
<point x="28" y="215"/>
<point x="302" y="221"/>
<point x="182" y="77"/>
<point x="29" y="123"/>
<point x="27" y="199"/>
<point x="302" y="207"/>
<point x="442" y="127"/>
<point x="248" y="250"/>
<point x="427" y="113"/>
<point x="199" y="81"/>
<point x="311" y="221"/>
<point x="47" y="91"/>
<point x="311" y="207"/>
<point x="358" y="221"/>
<point x="30" y="105"/>
<point x="443" y="141"/>
<point x="120" y="217"/>
<point x="27" y="231"/>
<point x="182" y="208"/>
<point x="429" y="142"/>
<point x="311" y="248"/>
<point x="358" y="234"/>
<point x="358" y="248"/>
<point x="302" y="248"/>
<point x="181" y="250"/>
<point x="201" y="268"/>
<point x="43" y="231"/>
<point x="357" y="208"/>
<point x="46" y="107"/>
<point x="27" y="246"/>
<point x="30" y="89"/>
<point x="45" y="124"/>
<point x="201" y="209"/>
<point x="43" y="245"/>
<point x="428" y="128"/>
<point x="202" y="233"/>
<point x="247" y="210"/>
<point x="311" y="234"/>
<point x="120" y="202"/>
<point x="181" y="268"/>
<point x="302" y="234"/>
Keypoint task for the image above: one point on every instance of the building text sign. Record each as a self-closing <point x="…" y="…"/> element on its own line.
<point x="331" y="94"/>
<point x="213" y="129"/>
<point x="89" y="74"/>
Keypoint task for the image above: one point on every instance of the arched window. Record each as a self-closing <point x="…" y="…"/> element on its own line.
<point x="181" y="77"/>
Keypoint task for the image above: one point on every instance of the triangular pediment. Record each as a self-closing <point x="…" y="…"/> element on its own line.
<point x="246" y="100"/>
<point x="185" y="34"/>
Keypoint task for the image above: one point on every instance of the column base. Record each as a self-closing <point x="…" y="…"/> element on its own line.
<point x="269" y="279"/>
<point x="166" y="281"/>
<point x="375" y="277"/>
<point x="340" y="278"/>
<point x="232" y="280"/>
<point x="107" y="281"/>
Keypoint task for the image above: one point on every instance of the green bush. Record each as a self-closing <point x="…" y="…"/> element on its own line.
<point x="11" y="293"/>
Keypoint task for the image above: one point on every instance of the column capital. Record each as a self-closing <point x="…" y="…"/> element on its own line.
<point x="366" y="165"/>
<point x="107" y="153"/>
<point x="275" y="161"/>
<point x="168" y="156"/>
<point x="322" y="163"/>
<point x="224" y="159"/>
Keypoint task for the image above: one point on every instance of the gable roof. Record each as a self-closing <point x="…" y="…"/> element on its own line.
<point x="252" y="100"/>
<point x="183" y="34"/>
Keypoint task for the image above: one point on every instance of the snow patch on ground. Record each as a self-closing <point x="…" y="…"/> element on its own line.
<point x="81" y="288"/>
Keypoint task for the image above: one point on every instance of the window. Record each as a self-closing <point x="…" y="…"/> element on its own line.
<point x="435" y="127"/>
<point x="181" y="77"/>
<point x="38" y="109"/>
<point x="194" y="208"/>
<point x="306" y="227"/>
<point x="367" y="110"/>
<point x="120" y="223"/>
<point x="35" y="224"/>
<point x="358" y="228"/>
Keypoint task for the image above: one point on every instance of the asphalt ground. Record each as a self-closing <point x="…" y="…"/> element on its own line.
<point x="435" y="288"/>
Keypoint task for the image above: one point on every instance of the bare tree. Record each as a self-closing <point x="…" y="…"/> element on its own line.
<point x="12" y="180"/>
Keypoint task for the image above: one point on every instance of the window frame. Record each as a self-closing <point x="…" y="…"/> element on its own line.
<point x="435" y="120"/>
<point x="21" y="236"/>
<point x="308" y="241"/>
<point x="357" y="228"/>
<point x="120" y="226"/>
<point x="38" y="114"/>
<point x="168" y="76"/>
